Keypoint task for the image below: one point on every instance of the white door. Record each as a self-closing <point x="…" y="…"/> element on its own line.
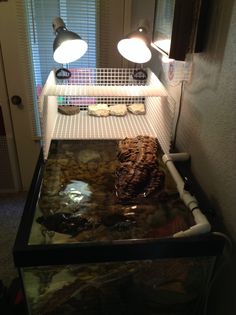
<point x="14" y="75"/>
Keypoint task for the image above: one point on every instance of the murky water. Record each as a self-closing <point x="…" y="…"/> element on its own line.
<point x="78" y="200"/>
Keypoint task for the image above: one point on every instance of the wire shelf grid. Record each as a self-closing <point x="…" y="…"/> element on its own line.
<point x="103" y="77"/>
<point x="106" y="86"/>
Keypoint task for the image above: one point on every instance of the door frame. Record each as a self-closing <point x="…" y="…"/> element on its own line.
<point x="18" y="82"/>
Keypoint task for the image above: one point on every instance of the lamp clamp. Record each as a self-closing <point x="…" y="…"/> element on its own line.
<point x="58" y="24"/>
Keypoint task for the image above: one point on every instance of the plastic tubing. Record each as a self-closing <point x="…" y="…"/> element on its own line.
<point x="202" y="225"/>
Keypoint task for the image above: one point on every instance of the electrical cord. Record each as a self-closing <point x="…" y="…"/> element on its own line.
<point x="201" y="307"/>
<point x="228" y="240"/>
<point x="220" y="265"/>
<point x="173" y="144"/>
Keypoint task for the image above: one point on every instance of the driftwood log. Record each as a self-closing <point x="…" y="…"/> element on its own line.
<point x="138" y="173"/>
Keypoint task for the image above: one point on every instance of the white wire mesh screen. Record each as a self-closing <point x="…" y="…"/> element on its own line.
<point x="84" y="102"/>
<point x="83" y="126"/>
<point x="104" y="82"/>
<point x="48" y="116"/>
<point x="160" y="114"/>
<point x="156" y="121"/>
<point x="103" y="76"/>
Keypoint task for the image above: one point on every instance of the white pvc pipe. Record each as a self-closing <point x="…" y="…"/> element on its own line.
<point x="202" y="225"/>
<point x="102" y="90"/>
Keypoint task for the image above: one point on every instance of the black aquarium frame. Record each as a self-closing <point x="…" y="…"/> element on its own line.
<point x="96" y="252"/>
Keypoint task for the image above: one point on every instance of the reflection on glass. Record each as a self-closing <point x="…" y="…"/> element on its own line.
<point x="163" y="24"/>
<point x="150" y="287"/>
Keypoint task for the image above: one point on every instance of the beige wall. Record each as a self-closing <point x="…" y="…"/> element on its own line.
<point x="142" y="10"/>
<point x="207" y="127"/>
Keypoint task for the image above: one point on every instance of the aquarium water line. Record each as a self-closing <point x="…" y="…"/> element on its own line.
<point x="202" y="225"/>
